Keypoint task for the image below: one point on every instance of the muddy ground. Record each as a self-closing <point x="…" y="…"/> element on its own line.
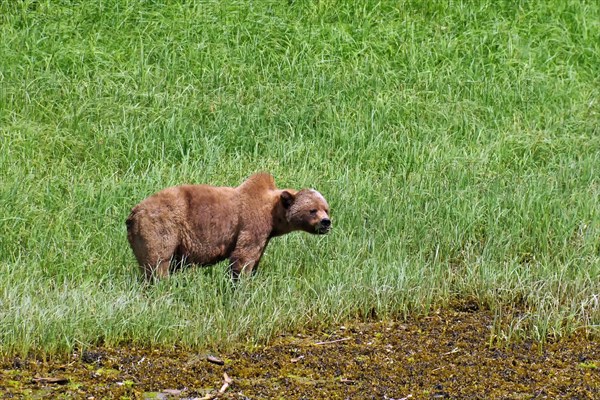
<point x="444" y="355"/>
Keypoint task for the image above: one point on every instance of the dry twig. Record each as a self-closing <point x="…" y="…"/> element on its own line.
<point x="215" y="360"/>
<point x="454" y="350"/>
<point x="60" y="381"/>
<point x="226" y="382"/>
<point x="332" y="341"/>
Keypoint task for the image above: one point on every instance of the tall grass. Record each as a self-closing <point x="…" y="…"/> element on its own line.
<point x="458" y="144"/>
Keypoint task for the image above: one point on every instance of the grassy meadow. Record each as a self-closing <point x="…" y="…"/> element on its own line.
<point x="458" y="144"/>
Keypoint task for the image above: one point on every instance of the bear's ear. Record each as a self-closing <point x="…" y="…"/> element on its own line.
<point x="286" y="199"/>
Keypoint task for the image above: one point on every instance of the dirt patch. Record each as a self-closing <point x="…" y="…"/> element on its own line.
<point x="444" y="355"/>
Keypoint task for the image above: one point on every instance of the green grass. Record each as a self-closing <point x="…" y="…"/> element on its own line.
<point x="458" y="144"/>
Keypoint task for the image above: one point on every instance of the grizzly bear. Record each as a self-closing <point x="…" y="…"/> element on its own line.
<point x="202" y="224"/>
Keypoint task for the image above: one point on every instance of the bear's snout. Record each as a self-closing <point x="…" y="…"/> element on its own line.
<point x="324" y="226"/>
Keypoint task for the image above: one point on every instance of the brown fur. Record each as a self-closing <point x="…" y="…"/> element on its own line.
<point x="203" y="224"/>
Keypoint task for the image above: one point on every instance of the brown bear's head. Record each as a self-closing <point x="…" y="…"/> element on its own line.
<point x="307" y="210"/>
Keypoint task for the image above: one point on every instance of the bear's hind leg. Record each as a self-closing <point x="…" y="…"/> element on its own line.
<point x="154" y="262"/>
<point x="154" y="238"/>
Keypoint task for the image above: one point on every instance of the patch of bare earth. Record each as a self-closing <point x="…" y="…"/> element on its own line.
<point x="444" y="355"/>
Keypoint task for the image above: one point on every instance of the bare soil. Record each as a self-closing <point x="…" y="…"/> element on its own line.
<point x="444" y="355"/>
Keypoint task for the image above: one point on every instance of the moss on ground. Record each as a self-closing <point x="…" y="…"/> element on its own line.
<point x="443" y="355"/>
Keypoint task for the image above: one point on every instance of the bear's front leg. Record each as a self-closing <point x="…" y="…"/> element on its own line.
<point x="244" y="263"/>
<point x="246" y="256"/>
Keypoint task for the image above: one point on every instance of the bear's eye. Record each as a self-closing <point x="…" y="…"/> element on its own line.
<point x="313" y="211"/>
